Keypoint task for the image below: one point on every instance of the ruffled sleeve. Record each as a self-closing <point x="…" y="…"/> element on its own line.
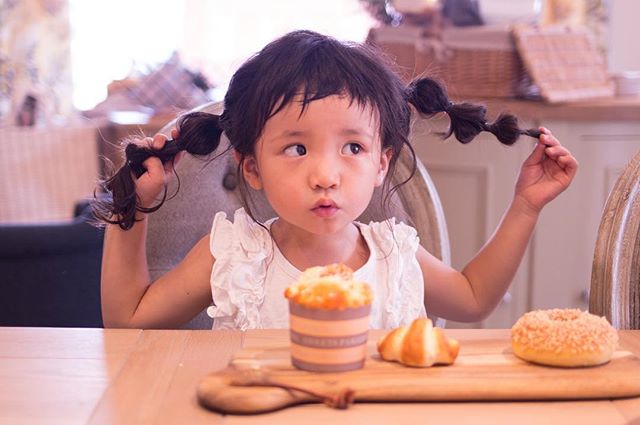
<point x="398" y="245"/>
<point x="241" y="250"/>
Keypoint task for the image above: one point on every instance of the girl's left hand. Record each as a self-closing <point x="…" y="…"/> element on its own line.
<point x="546" y="173"/>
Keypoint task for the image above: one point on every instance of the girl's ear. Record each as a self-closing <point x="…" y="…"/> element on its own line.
<point x="385" y="157"/>
<point x="250" y="170"/>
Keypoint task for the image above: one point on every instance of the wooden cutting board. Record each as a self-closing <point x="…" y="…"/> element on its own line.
<point x="484" y="371"/>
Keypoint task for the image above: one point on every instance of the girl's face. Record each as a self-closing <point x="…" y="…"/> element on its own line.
<point x="319" y="169"/>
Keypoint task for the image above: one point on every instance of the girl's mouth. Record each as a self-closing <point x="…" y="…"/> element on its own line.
<point x="325" y="209"/>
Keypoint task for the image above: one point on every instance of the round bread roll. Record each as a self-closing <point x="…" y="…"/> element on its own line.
<point x="563" y="337"/>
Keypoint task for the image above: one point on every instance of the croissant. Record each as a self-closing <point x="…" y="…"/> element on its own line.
<point x="418" y="345"/>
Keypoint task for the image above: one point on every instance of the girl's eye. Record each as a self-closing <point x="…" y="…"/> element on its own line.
<point x="295" y="150"/>
<point x="351" y="149"/>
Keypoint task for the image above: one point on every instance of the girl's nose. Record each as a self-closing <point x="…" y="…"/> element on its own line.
<point x="325" y="174"/>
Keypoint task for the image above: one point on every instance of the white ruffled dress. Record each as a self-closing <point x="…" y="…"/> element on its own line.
<point x="250" y="274"/>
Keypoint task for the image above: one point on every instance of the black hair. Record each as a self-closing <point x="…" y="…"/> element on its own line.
<point x="311" y="66"/>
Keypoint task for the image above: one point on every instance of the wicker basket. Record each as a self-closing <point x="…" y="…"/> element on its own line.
<point x="564" y="62"/>
<point x="475" y="62"/>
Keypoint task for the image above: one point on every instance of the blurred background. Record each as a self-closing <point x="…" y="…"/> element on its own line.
<point x="66" y="53"/>
<point x="78" y="76"/>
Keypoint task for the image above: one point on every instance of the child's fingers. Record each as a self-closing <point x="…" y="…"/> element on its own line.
<point x="549" y="139"/>
<point x="154" y="167"/>
<point x="556" y="151"/>
<point x="536" y="155"/>
<point x="564" y="160"/>
<point x="156" y="170"/>
<point x="569" y="165"/>
<point x="174" y="133"/>
<point x="142" y="142"/>
<point x="561" y="155"/>
<point x="158" y="141"/>
<point x="568" y="161"/>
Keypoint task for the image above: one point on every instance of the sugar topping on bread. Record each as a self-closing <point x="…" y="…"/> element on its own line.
<point x="329" y="287"/>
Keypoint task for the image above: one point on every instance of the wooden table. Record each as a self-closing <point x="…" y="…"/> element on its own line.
<point x="96" y="376"/>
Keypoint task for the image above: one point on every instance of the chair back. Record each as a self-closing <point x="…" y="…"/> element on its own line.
<point x="615" y="274"/>
<point x="207" y="187"/>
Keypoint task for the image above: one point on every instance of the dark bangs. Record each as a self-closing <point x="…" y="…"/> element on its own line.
<point x="314" y="66"/>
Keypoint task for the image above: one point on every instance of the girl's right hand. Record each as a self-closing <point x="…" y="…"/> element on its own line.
<point x="151" y="184"/>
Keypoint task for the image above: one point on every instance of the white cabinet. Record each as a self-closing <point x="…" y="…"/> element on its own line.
<point x="476" y="181"/>
<point x="566" y="233"/>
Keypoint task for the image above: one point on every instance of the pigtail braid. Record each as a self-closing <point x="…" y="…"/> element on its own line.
<point x="199" y="134"/>
<point x="467" y="119"/>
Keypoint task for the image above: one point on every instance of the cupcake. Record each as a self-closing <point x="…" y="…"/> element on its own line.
<point x="329" y="319"/>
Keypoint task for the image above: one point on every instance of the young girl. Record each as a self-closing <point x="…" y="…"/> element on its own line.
<point x="316" y="125"/>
